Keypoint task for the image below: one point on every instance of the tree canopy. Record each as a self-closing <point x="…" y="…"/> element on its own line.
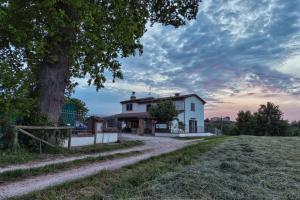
<point x="164" y="111"/>
<point x="44" y="45"/>
<point x="267" y="121"/>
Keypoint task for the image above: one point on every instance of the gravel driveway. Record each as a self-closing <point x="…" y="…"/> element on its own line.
<point x="154" y="145"/>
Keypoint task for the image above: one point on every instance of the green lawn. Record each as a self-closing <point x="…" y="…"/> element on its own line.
<point x="22" y="156"/>
<point x="243" y="167"/>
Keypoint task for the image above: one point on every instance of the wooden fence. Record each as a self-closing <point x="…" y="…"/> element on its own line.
<point x="25" y="130"/>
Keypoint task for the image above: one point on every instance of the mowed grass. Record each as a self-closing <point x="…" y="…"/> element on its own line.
<point x="243" y="167"/>
<point x="22" y="155"/>
<point x="129" y="182"/>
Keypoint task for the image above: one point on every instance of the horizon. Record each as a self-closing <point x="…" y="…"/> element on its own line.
<point x="235" y="55"/>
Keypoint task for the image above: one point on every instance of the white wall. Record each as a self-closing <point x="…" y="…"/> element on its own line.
<point x="107" y="137"/>
<point x="143" y="107"/>
<point x="135" y="108"/>
<point x="84" y="141"/>
<point x="198" y="114"/>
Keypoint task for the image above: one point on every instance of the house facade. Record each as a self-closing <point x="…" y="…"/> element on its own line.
<point x="135" y="116"/>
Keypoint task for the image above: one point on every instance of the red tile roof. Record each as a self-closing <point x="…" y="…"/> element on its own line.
<point x="140" y="115"/>
<point x="152" y="99"/>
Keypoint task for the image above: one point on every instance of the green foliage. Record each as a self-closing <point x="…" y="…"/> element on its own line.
<point x="294" y="129"/>
<point x="164" y="111"/>
<point x="245" y="123"/>
<point x="6" y="133"/>
<point x="181" y="125"/>
<point x="84" y="38"/>
<point x="97" y="32"/>
<point x="8" y="157"/>
<point x="80" y="106"/>
<point x="267" y="121"/>
<point x="225" y="128"/>
<point x="88" y="36"/>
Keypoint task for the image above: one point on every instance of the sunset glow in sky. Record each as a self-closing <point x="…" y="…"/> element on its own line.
<point x="237" y="55"/>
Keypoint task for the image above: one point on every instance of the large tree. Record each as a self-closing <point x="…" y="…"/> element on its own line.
<point x="51" y="42"/>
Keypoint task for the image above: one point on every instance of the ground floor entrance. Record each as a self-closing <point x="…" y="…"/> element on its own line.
<point x="140" y="123"/>
<point x="193" y="126"/>
<point x="140" y="126"/>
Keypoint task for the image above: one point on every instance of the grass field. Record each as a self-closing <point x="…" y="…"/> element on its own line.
<point x="244" y="167"/>
<point x="22" y="156"/>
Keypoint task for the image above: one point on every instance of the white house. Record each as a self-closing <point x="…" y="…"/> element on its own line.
<point x="191" y="113"/>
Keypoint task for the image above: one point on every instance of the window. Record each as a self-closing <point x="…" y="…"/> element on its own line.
<point x="110" y="123"/>
<point x="148" y="107"/>
<point x="192" y="106"/>
<point x="129" y="106"/>
<point x="132" y="124"/>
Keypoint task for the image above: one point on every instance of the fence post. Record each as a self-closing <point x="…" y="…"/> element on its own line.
<point x="15" y="143"/>
<point x="95" y="138"/>
<point x="70" y="136"/>
<point x="40" y="147"/>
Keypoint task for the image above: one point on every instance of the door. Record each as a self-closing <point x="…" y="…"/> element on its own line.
<point x="193" y="126"/>
<point x="99" y="127"/>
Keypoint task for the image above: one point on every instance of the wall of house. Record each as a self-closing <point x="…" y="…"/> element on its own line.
<point x="143" y="107"/>
<point x="135" y="108"/>
<point x="179" y="105"/>
<point x="198" y="114"/>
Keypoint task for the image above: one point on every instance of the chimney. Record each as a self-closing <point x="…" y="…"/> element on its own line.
<point x="133" y="97"/>
<point x="177" y="94"/>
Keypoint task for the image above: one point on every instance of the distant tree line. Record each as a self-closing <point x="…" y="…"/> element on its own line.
<point x="266" y="121"/>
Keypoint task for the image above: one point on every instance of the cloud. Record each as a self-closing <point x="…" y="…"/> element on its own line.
<point x="232" y="48"/>
<point x="232" y="43"/>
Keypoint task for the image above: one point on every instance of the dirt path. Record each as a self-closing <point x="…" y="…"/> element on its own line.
<point x="42" y="163"/>
<point x="154" y="145"/>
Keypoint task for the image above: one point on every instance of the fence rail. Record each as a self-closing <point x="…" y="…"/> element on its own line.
<point x="22" y="129"/>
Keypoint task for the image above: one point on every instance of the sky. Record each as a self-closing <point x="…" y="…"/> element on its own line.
<point x="237" y="55"/>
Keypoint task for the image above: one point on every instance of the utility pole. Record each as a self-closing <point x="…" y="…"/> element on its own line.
<point x="221" y="124"/>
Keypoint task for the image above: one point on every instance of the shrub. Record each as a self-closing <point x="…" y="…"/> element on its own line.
<point x="6" y="133"/>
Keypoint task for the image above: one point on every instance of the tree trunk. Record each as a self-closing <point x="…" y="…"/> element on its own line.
<point x="52" y="82"/>
<point x="54" y="71"/>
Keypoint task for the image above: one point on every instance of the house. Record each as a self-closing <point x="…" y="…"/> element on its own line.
<point x="135" y="116"/>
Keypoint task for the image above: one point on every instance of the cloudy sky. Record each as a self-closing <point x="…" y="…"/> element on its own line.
<point x="237" y="55"/>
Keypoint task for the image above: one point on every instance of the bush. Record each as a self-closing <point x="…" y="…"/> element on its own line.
<point x="228" y="128"/>
<point x="6" y="133"/>
<point x="267" y="121"/>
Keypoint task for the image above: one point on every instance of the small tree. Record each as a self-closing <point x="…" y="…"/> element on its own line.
<point x="164" y="111"/>
<point x="245" y="123"/>
<point x="81" y="108"/>
<point x="269" y="120"/>
<point x="266" y="121"/>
